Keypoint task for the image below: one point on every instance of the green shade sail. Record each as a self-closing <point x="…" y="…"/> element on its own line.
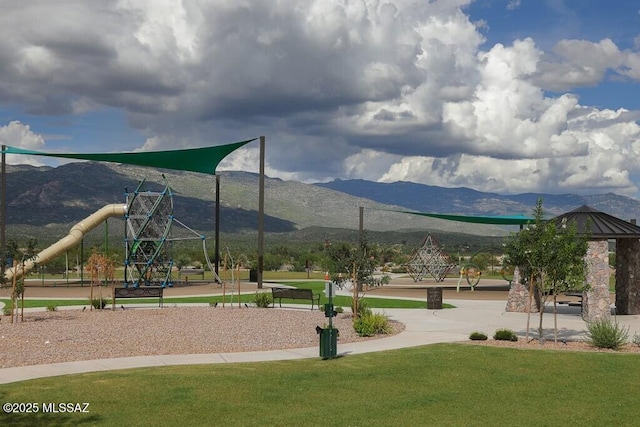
<point x="204" y="160"/>
<point x="497" y="220"/>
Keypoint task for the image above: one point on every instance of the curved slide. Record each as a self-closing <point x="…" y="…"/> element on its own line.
<point x="72" y="239"/>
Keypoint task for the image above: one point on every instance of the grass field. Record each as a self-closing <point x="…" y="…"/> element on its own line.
<point x="443" y="384"/>
<point x="244" y="298"/>
<point x="315" y="286"/>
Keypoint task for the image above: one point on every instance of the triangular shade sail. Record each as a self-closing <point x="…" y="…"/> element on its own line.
<point x="204" y="160"/>
<point x="497" y="220"/>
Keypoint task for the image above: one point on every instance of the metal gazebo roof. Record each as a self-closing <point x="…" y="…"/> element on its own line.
<point x="600" y="225"/>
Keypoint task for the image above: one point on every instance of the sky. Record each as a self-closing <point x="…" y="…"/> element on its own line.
<point x="505" y="96"/>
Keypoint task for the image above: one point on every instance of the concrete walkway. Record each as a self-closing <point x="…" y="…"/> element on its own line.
<point x="422" y="327"/>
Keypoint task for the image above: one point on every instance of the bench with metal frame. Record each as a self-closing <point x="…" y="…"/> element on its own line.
<point x="140" y="292"/>
<point x="294" y="293"/>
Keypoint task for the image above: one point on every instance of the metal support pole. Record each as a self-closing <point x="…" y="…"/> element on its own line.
<point x="217" y="234"/>
<point x="106" y="247"/>
<point x="82" y="262"/>
<point x="3" y="211"/>
<point x="261" y="216"/>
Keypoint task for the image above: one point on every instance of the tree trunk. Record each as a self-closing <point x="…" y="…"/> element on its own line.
<point x="555" y="318"/>
<point x="531" y="288"/>
<point x="540" y="330"/>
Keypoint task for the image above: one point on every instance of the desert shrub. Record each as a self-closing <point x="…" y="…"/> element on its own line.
<point x="99" y="303"/>
<point x="505" y="335"/>
<point x="478" y="336"/>
<point x="606" y="333"/>
<point x="52" y="307"/>
<point x="372" y="324"/>
<point x="262" y="300"/>
<point x="363" y="308"/>
<point x="636" y="340"/>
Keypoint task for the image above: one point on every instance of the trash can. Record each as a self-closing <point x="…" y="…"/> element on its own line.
<point x="434" y="298"/>
<point x="253" y="275"/>
<point x="328" y="342"/>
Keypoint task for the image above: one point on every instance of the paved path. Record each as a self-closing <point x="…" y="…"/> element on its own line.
<point x="422" y="327"/>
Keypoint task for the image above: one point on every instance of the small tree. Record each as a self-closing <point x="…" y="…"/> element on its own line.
<point x="29" y="253"/>
<point x="358" y="263"/>
<point x="99" y="264"/>
<point x="552" y="258"/>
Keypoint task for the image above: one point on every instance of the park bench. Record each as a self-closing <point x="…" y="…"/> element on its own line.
<point x="295" y="293"/>
<point x="131" y="292"/>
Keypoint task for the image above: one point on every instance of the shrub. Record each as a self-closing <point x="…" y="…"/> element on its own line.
<point x="52" y="307"/>
<point x="262" y="300"/>
<point x="363" y="309"/>
<point x="636" y="340"/>
<point x="478" y="336"/>
<point x="505" y="335"/>
<point x="372" y="324"/>
<point x="99" y="303"/>
<point x="606" y="333"/>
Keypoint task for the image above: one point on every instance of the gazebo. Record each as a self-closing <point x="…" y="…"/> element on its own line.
<point x="602" y="227"/>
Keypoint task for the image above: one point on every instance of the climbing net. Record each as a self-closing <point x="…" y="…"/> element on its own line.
<point x="147" y="243"/>
<point x="429" y="259"/>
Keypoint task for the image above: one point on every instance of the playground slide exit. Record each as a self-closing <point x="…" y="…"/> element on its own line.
<point x="71" y="240"/>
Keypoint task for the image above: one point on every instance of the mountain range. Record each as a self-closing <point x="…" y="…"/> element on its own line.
<point x="49" y="197"/>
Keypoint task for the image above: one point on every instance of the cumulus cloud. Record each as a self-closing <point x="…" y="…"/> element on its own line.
<point x="513" y="4"/>
<point x="17" y="134"/>
<point x="392" y="90"/>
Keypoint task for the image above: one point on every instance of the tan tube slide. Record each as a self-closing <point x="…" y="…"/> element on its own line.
<point x="71" y="240"/>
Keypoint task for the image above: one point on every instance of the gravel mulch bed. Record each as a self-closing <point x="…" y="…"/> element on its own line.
<point x="72" y="335"/>
<point x="534" y="344"/>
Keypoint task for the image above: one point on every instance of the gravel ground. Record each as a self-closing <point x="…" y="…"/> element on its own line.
<point x="71" y="335"/>
<point x="534" y="344"/>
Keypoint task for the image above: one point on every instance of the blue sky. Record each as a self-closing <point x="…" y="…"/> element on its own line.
<point x="497" y="95"/>
<point x="548" y="21"/>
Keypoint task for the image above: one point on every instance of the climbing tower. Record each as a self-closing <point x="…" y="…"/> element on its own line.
<point x="147" y="237"/>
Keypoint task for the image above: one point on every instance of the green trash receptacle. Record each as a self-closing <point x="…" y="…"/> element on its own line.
<point x="328" y="342"/>
<point x="253" y="275"/>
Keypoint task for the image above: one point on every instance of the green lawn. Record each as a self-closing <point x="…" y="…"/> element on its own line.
<point x="244" y="298"/>
<point x="443" y="384"/>
<point x="316" y="287"/>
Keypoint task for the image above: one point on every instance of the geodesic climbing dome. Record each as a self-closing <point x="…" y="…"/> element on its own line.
<point x="147" y="244"/>
<point x="429" y="259"/>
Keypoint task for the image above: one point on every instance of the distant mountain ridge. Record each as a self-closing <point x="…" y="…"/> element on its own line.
<point x="466" y="201"/>
<point x="45" y="198"/>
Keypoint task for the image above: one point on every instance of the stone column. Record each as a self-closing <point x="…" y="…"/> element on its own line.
<point x="596" y="304"/>
<point x="628" y="276"/>
<point x="518" y="300"/>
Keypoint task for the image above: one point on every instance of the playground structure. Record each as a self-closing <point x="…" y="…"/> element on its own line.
<point x="73" y="239"/>
<point x="148" y="238"/>
<point x="430" y="259"/>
